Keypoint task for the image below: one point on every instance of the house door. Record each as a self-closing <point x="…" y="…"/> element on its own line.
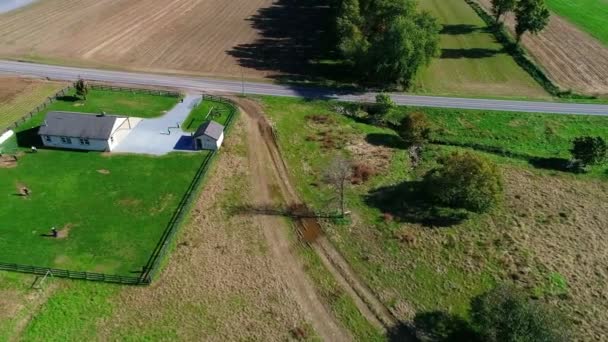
<point x="198" y="144"/>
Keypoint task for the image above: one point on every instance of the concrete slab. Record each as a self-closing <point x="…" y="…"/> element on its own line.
<point x="161" y="135"/>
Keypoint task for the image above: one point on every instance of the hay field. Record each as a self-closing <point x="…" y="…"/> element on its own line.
<point x="18" y="96"/>
<point x="176" y="36"/>
<point x="572" y="58"/>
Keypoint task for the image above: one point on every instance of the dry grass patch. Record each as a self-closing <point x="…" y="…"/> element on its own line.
<point x="219" y="284"/>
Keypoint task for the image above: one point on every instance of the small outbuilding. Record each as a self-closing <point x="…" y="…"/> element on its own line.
<point x="209" y="136"/>
<point x="82" y="131"/>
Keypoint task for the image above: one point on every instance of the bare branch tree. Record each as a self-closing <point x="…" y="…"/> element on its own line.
<point x="338" y="175"/>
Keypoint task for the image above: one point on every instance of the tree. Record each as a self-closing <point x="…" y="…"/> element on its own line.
<point x="531" y="16"/>
<point x="465" y="180"/>
<point x="386" y="40"/>
<point x="337" y="175"/>
<point x="82" y="89"/>
<point x="589" y="150"/>
<point x="505" y="314"/>
<point x="500" y="7"/>
<point x="415" y="129"/>
<point x="384" y="103"/>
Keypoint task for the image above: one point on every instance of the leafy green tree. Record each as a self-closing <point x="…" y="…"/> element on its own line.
<point x="384" y="104"/>
<point x="500" y="7"/>
<point x="531" y="16"/>
<point x="82" y="89"/>
<point x="415" y="129"/>
<point x="465" y="180"/>
<point x="505" y="314"/>
<point x="386" y="40"/>
<point x="589" y="150"/>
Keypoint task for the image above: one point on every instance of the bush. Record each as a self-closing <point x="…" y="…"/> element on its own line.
<point x="361" y="173"/>
<point x="589" y="150"/>
<point x="384" y="104"/>
<point x="465" y="180"/>
<point x="505" y="314"/>
<point x="415" y="129"/>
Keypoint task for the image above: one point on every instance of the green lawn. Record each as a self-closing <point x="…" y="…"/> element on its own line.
<point x="113" y="208"/>
<point x="207" y="110"/>
<point x="115" y="102"/>
<point x="472" y="62"/>
<point x="445" y="267"/>
<point x="589" y="15"/>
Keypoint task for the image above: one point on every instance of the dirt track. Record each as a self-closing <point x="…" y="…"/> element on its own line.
<point x="572" y="58"/>
<point x="189" y="36"/>
<point x="260" y="132"/>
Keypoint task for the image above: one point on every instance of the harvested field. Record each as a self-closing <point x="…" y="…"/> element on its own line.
<point x="18" y="96"/>
<point x="176" y="36"/>
<point x="572" y="58"/>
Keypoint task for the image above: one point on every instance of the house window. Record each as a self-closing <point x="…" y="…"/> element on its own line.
<point x="84" y="141"/>
<point x="47" y="138"/>
<point x="111" y="139"/>
<point x="66" y="140"/>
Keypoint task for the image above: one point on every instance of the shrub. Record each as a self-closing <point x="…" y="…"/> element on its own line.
<point x="589" y="150"/>
<point x="361" y="173"/>
<point x="384" y="104"/>
<point x="415" y="129"/>
<point x="505" y="314"/>
<point x="465" y="180"/>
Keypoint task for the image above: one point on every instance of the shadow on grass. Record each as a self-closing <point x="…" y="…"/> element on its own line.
<point x="384" y="139"/>
<point x="408" y="202"/>
<point x="469" y="53"/>
<point x="29" y="138"/>
<point x="558" y="164"/>
<point x="458" y="29"/>
<point x="68" y="98"/>
<point x="442" y="326"/>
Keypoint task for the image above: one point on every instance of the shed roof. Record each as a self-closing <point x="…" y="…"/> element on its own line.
<point x="211" y="129"/>
<point x="78" y="125"/>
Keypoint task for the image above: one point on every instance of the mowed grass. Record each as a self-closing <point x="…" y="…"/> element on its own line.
<point x="206" y="110"/>
<point x="112" y="209"/>
<point x="114" y="102"/>
<point x="472" y="63"/>
<point x="442" y="268"/>
<point x="589" y="15"/>
<point x="29" y="95"/>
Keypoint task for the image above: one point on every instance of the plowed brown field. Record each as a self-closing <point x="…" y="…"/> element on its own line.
<point x="181" y="36"/>
<point x="572" y="58"/>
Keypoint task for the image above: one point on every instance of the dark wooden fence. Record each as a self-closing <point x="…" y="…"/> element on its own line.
<point x="135" y="90"/>
<point x="37" y="110"/>
<point x="153" y="265"/>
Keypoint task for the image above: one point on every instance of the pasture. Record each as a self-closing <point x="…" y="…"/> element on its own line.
<point x="543" y="237"/>
<point x="110" y="210"/>
<point x="18" y="96"/>
<point x="569" y="56"/>
<point x="589" y="15"/>
<point x="472" y="63"/>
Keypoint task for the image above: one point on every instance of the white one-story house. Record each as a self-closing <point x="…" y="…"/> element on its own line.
<point x="82" y="131"/>
<point x="209" y="136"/>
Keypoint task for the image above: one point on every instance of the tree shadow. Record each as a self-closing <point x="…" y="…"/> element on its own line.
<point x="441" y="326"/>
<point x="384" y="139"/>
<point x="458" y="29"/>
<point x="557" y="164"/>
<point x="468" y="53"/>
<point x="408" y="202"/>
<point x="68" y="98"/>
<point x="401" y="332"/>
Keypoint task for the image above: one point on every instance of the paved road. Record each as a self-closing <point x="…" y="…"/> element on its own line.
<point x="224" y="86"/>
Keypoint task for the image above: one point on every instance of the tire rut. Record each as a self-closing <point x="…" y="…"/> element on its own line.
<point x="365" y="300"/>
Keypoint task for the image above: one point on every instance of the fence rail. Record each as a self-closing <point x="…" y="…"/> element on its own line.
<point x="154" y="263"/>
<point x="135" y="90"/>
<point x="38" y="109"/>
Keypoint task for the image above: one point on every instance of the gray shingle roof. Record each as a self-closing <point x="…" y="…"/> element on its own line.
<point x="211" y="129"/>
<point x="78" y="125"/>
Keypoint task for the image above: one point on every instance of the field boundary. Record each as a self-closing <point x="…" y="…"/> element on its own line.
<point x="521" y="57"/>
<point x="153" y="266"/>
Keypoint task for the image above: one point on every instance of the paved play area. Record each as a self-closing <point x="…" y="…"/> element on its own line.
<point x="161" y="135"/>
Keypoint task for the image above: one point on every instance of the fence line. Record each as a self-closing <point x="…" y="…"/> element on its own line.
<point x="135" y="90"/>
<point x="153" y="265"/>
